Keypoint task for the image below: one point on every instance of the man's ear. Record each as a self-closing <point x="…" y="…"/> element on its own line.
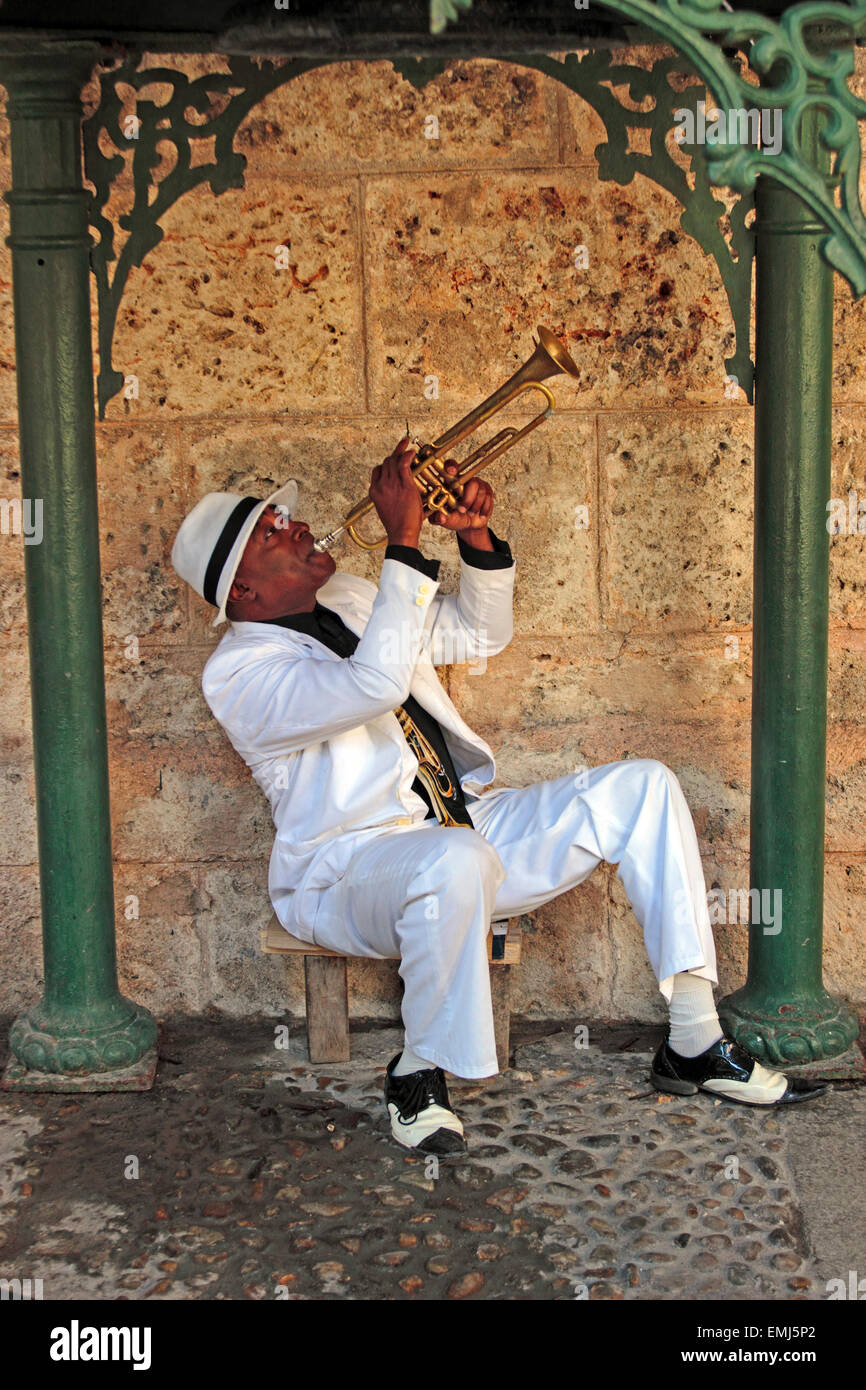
<point x="240" y="596"/>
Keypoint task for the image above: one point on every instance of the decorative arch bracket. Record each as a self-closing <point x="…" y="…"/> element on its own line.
<point x="173" y="122"/>
<point x="187" y="119"/>
<point x="802" y="59"/>
<point x="596" y="78"/>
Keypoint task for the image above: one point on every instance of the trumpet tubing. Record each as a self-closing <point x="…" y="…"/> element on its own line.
<point x="441" y="492"/>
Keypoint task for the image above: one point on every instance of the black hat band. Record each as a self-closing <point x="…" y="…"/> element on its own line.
<point x="222" y="549"/>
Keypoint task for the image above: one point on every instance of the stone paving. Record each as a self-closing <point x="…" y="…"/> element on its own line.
<point x="248" y="1173"/>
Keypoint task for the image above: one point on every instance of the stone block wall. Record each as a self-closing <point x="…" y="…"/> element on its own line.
<point x="411" y="258"/>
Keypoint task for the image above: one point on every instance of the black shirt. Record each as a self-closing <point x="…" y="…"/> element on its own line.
<point x="328" y="627"/>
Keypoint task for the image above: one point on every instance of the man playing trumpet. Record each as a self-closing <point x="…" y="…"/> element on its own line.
<point x="387" y="843"/>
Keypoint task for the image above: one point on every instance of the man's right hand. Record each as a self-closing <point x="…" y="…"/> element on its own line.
<point x="396" y="496"/>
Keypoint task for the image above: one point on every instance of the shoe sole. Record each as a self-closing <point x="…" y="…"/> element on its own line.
<point x="428" y="1153"/>
<point x="673" y="1086"/>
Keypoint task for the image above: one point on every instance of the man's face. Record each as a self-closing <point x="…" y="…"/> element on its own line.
<point x="279" y="567"/>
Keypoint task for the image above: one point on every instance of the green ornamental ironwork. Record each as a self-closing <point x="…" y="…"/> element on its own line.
<point x="160" y="123"/>
<point x="594" y="76"/>
<point x="441" y="11"/>
<point x="794" y="79"/>
<point x="597" y="78"/>
<point x="802" y="60"/>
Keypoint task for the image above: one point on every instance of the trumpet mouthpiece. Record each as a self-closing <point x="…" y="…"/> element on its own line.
<point x="325" y="542"/>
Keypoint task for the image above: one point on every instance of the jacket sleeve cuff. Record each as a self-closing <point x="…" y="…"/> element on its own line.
<point x="411" y="555"/>
<point x="499" y="558"/>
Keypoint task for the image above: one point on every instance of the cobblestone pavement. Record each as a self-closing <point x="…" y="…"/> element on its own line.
<point x="260" y="1176"/>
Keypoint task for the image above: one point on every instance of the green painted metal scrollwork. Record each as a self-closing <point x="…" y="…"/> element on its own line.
<point x="247" y="82"/>
<point x="154" y="123"/>
<point x="441" y="11"/>
<point x="802" y="59"/>
<point x="795" y="73"/>
<point x="596" y="77"/>
<point x="593" y="76"/>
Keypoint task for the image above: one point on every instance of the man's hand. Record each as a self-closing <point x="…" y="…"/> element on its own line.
<point x="397" y="497"/>
<point x="473" y="513"/>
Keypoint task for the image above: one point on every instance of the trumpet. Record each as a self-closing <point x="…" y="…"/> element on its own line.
<point x="441" y="492"/>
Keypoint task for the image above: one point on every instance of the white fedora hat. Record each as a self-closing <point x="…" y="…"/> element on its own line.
<point x="208" y="547"/>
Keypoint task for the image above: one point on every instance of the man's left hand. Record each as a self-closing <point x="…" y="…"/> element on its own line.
<point x="473" y="512"/>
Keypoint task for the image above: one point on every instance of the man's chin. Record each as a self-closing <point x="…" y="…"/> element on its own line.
<point x="324" y="555"/>
<point x="322" y="564"/>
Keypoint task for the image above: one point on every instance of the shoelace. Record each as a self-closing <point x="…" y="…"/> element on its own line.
<point x="428" y="1086"/>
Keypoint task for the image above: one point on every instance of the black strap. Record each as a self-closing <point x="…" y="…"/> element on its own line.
<point x="344" y="639"/>
<point x="220" y="553"/>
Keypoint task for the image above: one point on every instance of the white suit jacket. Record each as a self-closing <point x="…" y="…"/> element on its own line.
<point x="318" y="731"/>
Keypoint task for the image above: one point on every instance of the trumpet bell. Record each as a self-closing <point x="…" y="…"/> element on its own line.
<point x="551" y="348"/>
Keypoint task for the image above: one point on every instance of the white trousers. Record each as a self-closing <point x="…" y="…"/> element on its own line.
<point x="427" y="894"/>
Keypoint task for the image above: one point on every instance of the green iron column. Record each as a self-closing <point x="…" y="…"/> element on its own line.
<point x="84" y="1035"/>
<point x="783" y="1014"/>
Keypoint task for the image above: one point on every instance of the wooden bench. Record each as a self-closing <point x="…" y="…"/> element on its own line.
<point x="327" y="990"/>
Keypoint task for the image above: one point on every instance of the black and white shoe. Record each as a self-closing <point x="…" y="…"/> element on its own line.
<point x="420" y="1111"/>
<point x="726" y="1069"/>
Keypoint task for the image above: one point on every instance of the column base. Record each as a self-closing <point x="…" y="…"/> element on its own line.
<point x="138" y="1077"/>
<point x="74" y="1051"/>
<point x="848" y="1066"/>
<point x="816" y="1030"/>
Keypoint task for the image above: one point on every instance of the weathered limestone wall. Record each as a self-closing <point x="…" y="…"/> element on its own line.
<point x="408" y="258"/>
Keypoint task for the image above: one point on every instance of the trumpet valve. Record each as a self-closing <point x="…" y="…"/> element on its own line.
<point x="439" y="499"/>
<point x="436" y="487"/>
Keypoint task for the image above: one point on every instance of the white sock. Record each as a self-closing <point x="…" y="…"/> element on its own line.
<point x="694" y="1022"/>
<point x="410" y="1061"/>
